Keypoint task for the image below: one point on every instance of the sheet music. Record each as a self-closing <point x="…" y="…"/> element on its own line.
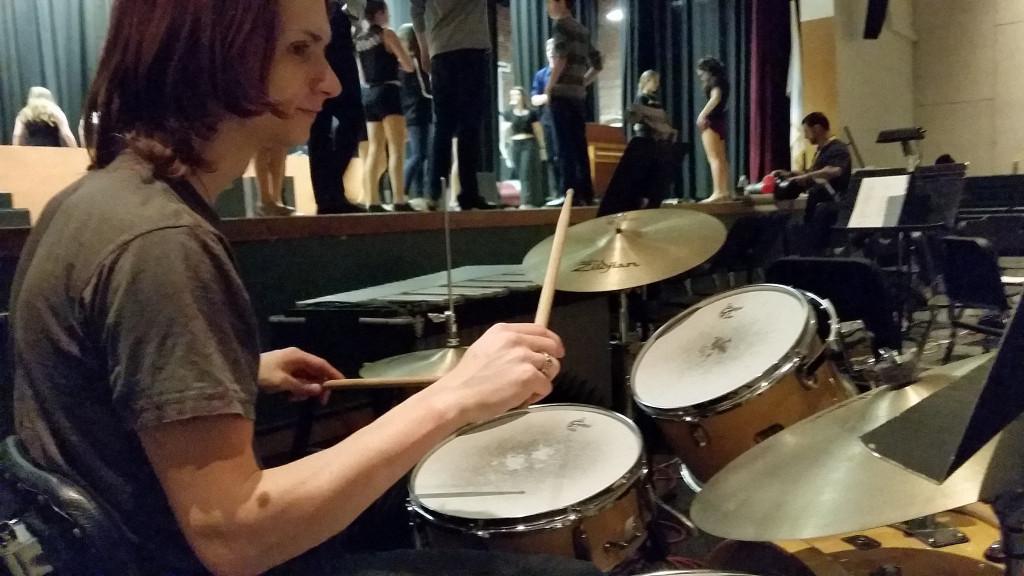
<point x="880" y="202"/>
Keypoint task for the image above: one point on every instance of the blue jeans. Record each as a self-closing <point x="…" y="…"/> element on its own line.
<point x="417" y="157"/>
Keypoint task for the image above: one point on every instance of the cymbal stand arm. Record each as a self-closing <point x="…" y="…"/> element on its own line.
<point x="449" y="316"/>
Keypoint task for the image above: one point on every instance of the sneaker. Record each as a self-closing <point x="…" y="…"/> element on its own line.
<point x="376" y="209"/>
<point x="419" y="204"/>
<point x="403" y="207"/>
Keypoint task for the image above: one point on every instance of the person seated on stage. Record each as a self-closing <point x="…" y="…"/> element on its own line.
<point x="136" y="354"/>
<point x="643" y="178"/>
<point x="826" y="182"/>
<point x="41" y="122"/>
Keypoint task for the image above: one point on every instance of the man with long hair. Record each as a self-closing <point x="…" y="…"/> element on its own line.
<point x="136" y="352"/>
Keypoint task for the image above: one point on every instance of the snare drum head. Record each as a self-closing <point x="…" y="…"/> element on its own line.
<point x="527" y="463"/>
<point x="720" y="347"/>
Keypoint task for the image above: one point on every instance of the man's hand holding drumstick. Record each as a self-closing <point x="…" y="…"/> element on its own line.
<point x="510" y="366"/>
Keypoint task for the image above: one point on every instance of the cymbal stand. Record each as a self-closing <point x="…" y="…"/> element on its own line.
<point x="448" y="317"/>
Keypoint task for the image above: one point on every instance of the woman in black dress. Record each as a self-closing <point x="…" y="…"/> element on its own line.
<point x="712" y="124"/>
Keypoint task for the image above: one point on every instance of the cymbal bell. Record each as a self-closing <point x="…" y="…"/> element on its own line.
<point x="422" y="364"/>
<point x="631" y="249"/>
<point x="817" y="478"/>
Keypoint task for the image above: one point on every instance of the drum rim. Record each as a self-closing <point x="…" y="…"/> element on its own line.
<point x="796" y="357"/>
<point x="834" y="337"/>
<point x="706" y="571"/>
<point x="553" y="519"/>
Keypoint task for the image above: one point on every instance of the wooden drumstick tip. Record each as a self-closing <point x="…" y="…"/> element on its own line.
<point x="547" y="293"/>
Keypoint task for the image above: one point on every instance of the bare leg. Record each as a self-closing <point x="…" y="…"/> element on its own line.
<point x="376" y="160"/>
<point x="270" y="165"/>
<point x="714" y="146"/>
<point x="395" y="134"/>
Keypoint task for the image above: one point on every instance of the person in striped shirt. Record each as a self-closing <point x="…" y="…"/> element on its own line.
<point x="575" y="66"/>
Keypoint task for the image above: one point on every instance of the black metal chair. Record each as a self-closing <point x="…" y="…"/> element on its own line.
<point x="78" y="533"/>
<point x="856" y="287"/>
<point x="972" y="279"/>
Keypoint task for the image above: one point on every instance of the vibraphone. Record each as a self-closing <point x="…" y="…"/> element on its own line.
<point x="360" y="326"/>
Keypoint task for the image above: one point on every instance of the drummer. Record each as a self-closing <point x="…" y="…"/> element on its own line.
<point x="137" y="363"/>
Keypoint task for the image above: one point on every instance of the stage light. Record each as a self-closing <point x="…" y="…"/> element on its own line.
<point x="615" y="15"/>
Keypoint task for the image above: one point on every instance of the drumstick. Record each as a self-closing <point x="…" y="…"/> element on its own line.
<point x="547" y="292"/>
<point x="364" y="383"/>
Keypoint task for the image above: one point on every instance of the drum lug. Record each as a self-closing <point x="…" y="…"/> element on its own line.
<point x="580" y="544"/>
<point x="700" y="435"/>
<point x="619" y="545"/>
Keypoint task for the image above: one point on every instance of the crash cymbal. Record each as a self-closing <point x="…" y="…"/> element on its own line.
<point x="630" y="249"/>
<point x="422" y="364"/>
<point x="817" y="478"/>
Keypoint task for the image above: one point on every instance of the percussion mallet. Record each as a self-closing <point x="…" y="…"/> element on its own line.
<point x="547" y="291"/>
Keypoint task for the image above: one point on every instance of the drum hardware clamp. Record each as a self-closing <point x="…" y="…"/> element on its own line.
<point x="932" y="532"/>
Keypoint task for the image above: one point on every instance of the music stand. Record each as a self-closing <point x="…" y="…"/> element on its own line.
<point x="953" y="424"/>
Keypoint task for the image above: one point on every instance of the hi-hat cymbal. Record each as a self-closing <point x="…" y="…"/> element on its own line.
<point x="817" y="478"/>
<point x="631" y="249"/>
<point x="422" y="364"/>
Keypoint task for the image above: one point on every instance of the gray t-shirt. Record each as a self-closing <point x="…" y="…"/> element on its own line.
<point x="452" y="25"/>
<point x="127" y="311"/>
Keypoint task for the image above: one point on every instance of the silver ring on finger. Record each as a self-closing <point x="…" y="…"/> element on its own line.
<point x="549" y="362"/>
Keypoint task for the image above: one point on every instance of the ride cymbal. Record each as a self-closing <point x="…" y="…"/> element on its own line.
<point x="817" y="478"/>
<point x="631" y="249"/>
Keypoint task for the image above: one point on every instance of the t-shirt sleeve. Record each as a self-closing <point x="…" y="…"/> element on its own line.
<point x="177" y="328"/>
<point x="538" y="84"/>
<point x="836" y="155"/>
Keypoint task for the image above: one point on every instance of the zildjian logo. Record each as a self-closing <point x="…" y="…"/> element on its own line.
<point x="602" y="266"/>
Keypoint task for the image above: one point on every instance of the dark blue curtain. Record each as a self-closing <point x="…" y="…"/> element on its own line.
<point x="530" y="30"/>
<point x="670" y="37"/>
<point x="51" y="43"/>
<point x="400" y="12"/>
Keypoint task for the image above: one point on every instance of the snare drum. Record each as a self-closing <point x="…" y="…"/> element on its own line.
<point x="736" y="369"/>
<point x="561" y="479"/>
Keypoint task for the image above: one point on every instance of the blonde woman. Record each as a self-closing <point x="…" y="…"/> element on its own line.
<point x="380" y="56"/>
<point x="41" y="122"/>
